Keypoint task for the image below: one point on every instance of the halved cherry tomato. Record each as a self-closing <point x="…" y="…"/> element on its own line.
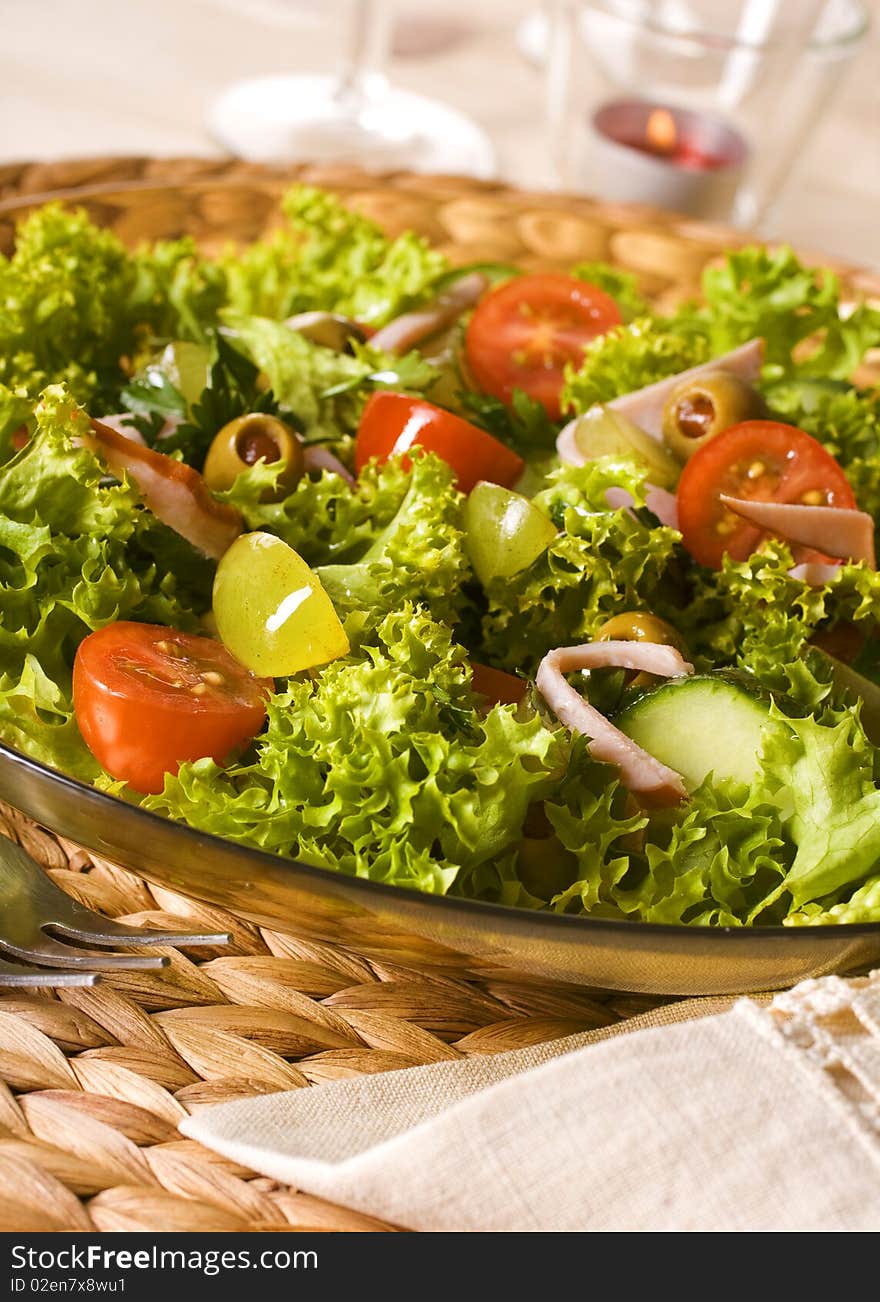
<point x="147" y="698"/>
<point x="522" y="334"/>
<point x="497" y="687"/>
<point x="759" y="459"/>
<point x="392" y="423"/>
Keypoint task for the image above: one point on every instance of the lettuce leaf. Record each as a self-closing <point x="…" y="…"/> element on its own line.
<point x="706" y="864"/>
<point x="418" y="557"/>
<point x="76" y="553"/>
<point x="365" y="769"/>
<point x="823" y="773"/>
<point x="754" y="615"/>
<point x="602" y="562"/>
<point x="324" y="390"/>
<point x="64" y="304"/>
<point x="621" y="285"/>
<point x="862" y="906"/>
<point x="769" y="293"/>
<point x="330" y="258"/>
<point x="632" y="356"/>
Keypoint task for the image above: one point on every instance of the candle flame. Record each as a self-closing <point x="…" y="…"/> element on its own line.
<point x="661" y="132"/>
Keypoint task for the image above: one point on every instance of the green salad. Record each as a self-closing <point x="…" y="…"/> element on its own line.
<point x="472" y="581"/>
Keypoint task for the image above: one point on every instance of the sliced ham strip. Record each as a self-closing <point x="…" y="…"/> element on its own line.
<point x="814" y="573"/>
<point x="318" y="458"/>
<point x="404" y="332"/>
<point x="641" y="773"/>
<point x="117" y="422"/>
<point x="175" y="493"/>
<point x="834" y="530"/>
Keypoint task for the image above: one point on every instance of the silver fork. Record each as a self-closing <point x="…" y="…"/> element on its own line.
<point x="30" y="902"/>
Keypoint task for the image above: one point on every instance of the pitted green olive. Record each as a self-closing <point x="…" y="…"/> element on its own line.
<point x="327" y="329"/>
<point x="247" y="440"/>
<point x="641" y="626"/>
<point x="703" y="406"/>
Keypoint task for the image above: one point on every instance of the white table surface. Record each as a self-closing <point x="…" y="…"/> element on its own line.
<point x="82" y="77"/>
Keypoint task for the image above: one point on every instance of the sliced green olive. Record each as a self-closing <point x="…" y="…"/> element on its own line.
<point x="701" y="407"/>
<point x="247" y="440"/>
<point x="641" y="626"/>
<point x="327" y="329"/>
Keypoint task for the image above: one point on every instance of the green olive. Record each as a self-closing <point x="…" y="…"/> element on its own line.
<point x="703" y="406"/>
<point x="247" y="440"/>
<point x="327" y="329"/>
<point x="641" y="626"/>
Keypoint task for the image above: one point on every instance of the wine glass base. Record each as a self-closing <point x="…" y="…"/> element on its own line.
<point x="305" y="118"/>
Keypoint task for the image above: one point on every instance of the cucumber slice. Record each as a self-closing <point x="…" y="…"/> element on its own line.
<point x="710" y="723"/>
<point x="602" y="432"/>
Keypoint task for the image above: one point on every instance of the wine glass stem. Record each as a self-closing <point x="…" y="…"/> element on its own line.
<point x="562" y="34"/>
<point x="362" y="74"/>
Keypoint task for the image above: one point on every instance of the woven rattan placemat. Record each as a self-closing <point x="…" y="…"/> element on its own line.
<point x="93" y="1081"/>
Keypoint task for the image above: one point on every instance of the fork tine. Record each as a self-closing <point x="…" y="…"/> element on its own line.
<point x="110" y="932"/>
<point x="54" y="954"/>
<point x="32" y="901"/>
<point x="11" y="974"/>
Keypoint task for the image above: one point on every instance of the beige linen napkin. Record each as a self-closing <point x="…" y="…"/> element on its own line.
<point x="761" y="1117"/>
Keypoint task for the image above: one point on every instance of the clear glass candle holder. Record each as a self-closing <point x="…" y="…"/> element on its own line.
<point x="701" y="106"/>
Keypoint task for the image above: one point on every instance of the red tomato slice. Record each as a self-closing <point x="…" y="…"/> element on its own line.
<point x="522" y="334"/>
<point x="759" y="459"/>
<point x="147" y="698"/>
<point x="497" y="687"/>
<point x="392" y="423"/>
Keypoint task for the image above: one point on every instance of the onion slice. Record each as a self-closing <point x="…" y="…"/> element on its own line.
<point x="404" y="332"/>
<point x="174" y="492"/>
<point x="658" y="501"/>
<point x="318" y="458"/>
<point x="815" y="574"/>
<point x="655" y="783"/>
<point x="834" y="530"/>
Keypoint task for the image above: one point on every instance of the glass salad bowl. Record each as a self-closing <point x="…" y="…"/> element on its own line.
<point x="471" y="221"/>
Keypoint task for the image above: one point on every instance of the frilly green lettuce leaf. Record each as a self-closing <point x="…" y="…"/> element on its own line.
<point x="364" y="769"/>
<point x="325" y="390"/>
<point x="706" y="864"/>
<point x="753" y="614"/>
<point x="862" y="906"/>
<point x="822" y="774"/>
<point x="325" y="519"/>
<point x="632" y="356"/>
<point x="330" y="258"/>
<point x="75" y="553"/>
<point x="601" y="562"/>
<point x="621" y="285"/>
<point x="769" y="293"/>
<point x="418" y="557"/>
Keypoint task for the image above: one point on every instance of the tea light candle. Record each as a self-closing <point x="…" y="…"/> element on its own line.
<point x="639" y="152"/>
